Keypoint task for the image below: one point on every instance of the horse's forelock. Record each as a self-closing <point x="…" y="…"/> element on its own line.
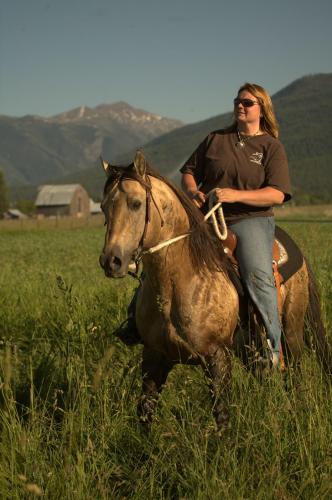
<point x="116" y="175"/>
<point x="126" y="173"/>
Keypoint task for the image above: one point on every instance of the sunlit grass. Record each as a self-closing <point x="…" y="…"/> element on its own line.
<point x="69" y="392"/>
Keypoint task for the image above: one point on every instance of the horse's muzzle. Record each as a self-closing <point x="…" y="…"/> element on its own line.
<point x="113" y="266"/>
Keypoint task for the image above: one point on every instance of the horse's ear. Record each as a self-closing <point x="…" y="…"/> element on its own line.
<point x="109" y="169"/>
<point x="140" y="163"/>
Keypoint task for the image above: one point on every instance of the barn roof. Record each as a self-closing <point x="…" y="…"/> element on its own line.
<point x="15" y="214"/>
<point x="49" y="195"/>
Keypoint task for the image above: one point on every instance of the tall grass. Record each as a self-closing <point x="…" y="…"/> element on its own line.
<point x="68" y="425"/>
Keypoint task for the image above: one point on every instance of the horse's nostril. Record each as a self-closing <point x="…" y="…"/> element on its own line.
<point x="110" y="263"/>
<point x="115" y="263"/>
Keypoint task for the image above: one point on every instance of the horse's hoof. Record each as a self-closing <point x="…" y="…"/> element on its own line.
<point x="145" y="411"/>
<point x="145" y="426"/>
<point x="222" y="419"/>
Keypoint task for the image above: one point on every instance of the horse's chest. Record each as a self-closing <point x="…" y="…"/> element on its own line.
<point x="181" y="320"/>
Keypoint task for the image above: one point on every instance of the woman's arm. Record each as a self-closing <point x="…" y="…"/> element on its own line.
<point x="264" y="197"/>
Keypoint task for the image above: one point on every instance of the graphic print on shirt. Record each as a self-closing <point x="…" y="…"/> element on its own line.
<point x="256" y="158"/>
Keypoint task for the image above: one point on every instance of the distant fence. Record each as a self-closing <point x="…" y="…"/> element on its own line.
<point x="53" y="222"/>
<point x="305" y="212"/>
<point x="312" y="213"/>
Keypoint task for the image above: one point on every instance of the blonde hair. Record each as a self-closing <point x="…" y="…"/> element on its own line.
<point x="268" y="121"/>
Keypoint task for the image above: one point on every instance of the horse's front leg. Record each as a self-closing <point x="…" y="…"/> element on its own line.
<point x="155" y="368"/>
<point x="219" y="369"/>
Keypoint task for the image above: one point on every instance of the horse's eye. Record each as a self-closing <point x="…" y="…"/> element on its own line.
<point x="134" y="204"/>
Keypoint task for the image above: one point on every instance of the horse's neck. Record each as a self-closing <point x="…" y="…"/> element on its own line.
<point x="166" y="205"/>
<point x="168" y="220"/>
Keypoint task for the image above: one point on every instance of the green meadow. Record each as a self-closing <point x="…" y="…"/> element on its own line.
<point x="68" y="389"/>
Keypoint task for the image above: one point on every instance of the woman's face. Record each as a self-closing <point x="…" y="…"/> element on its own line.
<point x="247" y="115"/>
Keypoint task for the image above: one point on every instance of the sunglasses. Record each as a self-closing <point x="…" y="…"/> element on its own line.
<point x="246" y="103"/>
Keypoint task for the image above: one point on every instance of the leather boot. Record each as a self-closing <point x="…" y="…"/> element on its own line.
<point x="128" y="333"/>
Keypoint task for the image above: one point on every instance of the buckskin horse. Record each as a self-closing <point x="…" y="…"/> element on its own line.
<point x="188" y="306"/>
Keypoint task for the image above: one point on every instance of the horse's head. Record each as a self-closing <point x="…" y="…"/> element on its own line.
<point x="126" y="208"/>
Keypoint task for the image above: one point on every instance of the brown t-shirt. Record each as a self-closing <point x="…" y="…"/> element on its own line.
<point x="218" y="162"/>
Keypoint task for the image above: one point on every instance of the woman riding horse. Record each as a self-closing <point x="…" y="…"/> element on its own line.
<point x="247" y="167"/>
<point x="187" y="309"/>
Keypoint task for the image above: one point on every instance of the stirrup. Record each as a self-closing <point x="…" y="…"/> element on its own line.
<point x="127" y="332"/>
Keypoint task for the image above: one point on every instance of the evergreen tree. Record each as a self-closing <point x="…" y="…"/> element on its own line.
<point x="3" y="195"/>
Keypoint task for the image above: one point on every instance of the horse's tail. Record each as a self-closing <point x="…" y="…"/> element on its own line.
<point x="315" y="325"/>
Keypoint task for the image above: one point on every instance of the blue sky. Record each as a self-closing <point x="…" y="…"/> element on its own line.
<point x="179" y="58"/>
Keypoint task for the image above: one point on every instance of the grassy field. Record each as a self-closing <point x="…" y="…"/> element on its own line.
<point x="308" y="212"/>
<point x="69" y="391"/>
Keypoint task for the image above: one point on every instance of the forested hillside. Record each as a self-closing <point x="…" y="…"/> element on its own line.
<point x="304" y="111"/>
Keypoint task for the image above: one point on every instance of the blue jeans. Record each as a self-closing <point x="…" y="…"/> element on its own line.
<point x="254" y="253"/>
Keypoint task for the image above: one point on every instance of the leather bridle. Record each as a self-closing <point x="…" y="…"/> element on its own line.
<point x="123" y="175"/>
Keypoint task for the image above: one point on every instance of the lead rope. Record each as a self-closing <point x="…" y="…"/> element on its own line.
<point x="220" y="214"/>
<point x="219" y="218"/>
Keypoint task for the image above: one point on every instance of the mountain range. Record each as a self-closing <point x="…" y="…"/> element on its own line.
<point x="78" y="137"/>
<point x="34" y="149"/>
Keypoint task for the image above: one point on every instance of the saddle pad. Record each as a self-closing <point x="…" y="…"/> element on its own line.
<point x="291" y="258"/>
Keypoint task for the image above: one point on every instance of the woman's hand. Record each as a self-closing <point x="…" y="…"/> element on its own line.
<point x="198" y="198"/>
<point x="189" y="186"/>
<point x="227" y="195"/>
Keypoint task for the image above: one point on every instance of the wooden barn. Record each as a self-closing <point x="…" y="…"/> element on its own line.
<point x="14" y="214"/>
<point x="61" y="200"/>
